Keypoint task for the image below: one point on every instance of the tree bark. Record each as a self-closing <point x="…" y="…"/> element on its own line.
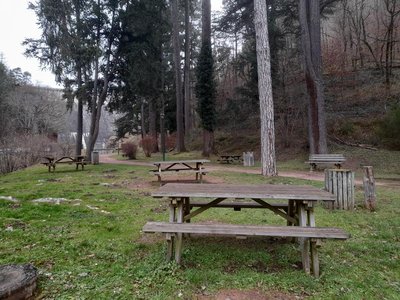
<point x="187" y="71"/>
<point x="268" y="159"/>
<point x="208" y="142"/>
<point x="143" y="125"/>
<point x="309" y="16"/>
<point x="180" y="143"/>
<point x="152" y="125"/>
<point x="208" y="135"/>
<point x="79" y="129"/>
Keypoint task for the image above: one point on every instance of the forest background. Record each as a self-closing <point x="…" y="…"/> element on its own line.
<point x="118" y="55"/>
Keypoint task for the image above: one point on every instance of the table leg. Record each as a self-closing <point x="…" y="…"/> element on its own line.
<point x="290" y="212"/>
<point x="313" y="243"/>
<point x="186" y="208"/>
<point x="179" y="237"/>
<point x="304" y="242"/>
<point x="170" y="236"/>
<point x="200" y="168"/>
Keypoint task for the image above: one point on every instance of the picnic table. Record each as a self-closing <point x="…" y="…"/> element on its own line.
<point x="192" y="166"/>
<point x="230" y="158"/>
<point x="292" y="202"/>
<point x="51" y="161"/>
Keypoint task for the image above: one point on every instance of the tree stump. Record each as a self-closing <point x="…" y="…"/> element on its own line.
<point x="369" y="188"/>
<point x="248" y="159"/>
<point x="340" y="182"/>
<point x="17" y="281"/>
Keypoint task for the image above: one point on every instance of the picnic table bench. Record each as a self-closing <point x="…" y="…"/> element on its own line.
<point x="229" y="158"/>
<point x="195" y="166"/>
<point x="334" y="159"/>
<point x="294" y="203"/>
<point x="51" y="161"/>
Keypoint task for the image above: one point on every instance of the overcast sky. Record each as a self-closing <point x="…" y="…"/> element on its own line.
<point x="17" y="23"/>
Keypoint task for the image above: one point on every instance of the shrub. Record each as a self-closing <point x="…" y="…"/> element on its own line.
<point x="148" y="143"/>
<point x="129" y="149"/>
<point x="389" y="129"/>
<point x="17" y="152"/>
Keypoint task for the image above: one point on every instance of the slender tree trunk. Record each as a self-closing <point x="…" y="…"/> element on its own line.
<point x="187" y="71"/>
<point x="153" y="124"/>
<point x="180" y="143"/>
<point x="268" y="160"/>
<point x="142" y="120"/>
<point x="79" y="129"/>
<point x="309" y="15"/>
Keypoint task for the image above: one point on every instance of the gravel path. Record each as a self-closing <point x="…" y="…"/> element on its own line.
<point x="307" y="175"/>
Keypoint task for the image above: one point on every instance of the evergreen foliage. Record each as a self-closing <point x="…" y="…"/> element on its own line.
<point x="205" y="88"/>
<point x="390" y="128"/>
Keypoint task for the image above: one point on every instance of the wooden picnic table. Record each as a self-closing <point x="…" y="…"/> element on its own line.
<point x="230" y="158"/>
<point x="51" y="161"/>
<point x="194" y="165"/>
<point x="294" y="203"/>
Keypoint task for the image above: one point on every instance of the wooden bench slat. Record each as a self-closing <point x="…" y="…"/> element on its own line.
<point x="247" y="230"/>
<point x="238" y="205"/>
<point x="336" y="159"/>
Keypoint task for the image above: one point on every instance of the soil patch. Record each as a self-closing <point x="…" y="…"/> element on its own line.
<point x="234" y="294"/>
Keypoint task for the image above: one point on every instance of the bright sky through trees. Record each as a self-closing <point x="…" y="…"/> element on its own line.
<point x="17" y="22"/>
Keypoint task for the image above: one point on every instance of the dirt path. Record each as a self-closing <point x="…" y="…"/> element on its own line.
<point x="316" y="176"/>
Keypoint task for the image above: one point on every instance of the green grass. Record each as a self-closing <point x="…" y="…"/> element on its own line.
<point x="86" y="253"/>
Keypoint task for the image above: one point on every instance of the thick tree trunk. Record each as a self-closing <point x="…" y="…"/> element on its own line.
<point x="187" y="71"/>
<point x="180" y="143"/>
<point x="309" y="15"/>
<point x="208" y="135"/>
<point x="208" y="142"/>
<point x="268" y="159"/>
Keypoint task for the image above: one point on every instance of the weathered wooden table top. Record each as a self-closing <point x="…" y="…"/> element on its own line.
<point x="265" y="191"/>
<point x="168" y="162"/>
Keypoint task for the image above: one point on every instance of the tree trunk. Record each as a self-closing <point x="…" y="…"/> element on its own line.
<point x="99" y="97"/>
<point x="208" y="134"/>
<point x="309" y="15"/>
<point x="79" y="129"/>
<point x="268" y="160"/>
<point x="142" y="120"/>
<point x="180" y="143"/>
<point x="187" y="71"/>
<point x="152" y="125"/>
<point x="208" y="142"/>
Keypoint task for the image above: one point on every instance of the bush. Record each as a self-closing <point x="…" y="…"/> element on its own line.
<point x="148" y="144"/>
<point x="389" y="129"/>
<point x="18" y="152"/>
<point x="129" y="149"/>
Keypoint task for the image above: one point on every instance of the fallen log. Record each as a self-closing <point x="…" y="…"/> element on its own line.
<point x="364" y="146"/>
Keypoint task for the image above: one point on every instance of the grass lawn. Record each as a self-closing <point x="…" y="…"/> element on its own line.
<point x="91" y="247"/>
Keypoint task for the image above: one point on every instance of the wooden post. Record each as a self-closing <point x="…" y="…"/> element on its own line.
<point x="340" y="182"/>
<point x="170" y="236"/>
<point x="369" y="188"/>
<point x="179" y="236"/>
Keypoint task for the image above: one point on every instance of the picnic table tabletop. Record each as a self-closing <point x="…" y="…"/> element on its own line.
<point x="265" y="191"/>
<point x="167" y="162"/>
